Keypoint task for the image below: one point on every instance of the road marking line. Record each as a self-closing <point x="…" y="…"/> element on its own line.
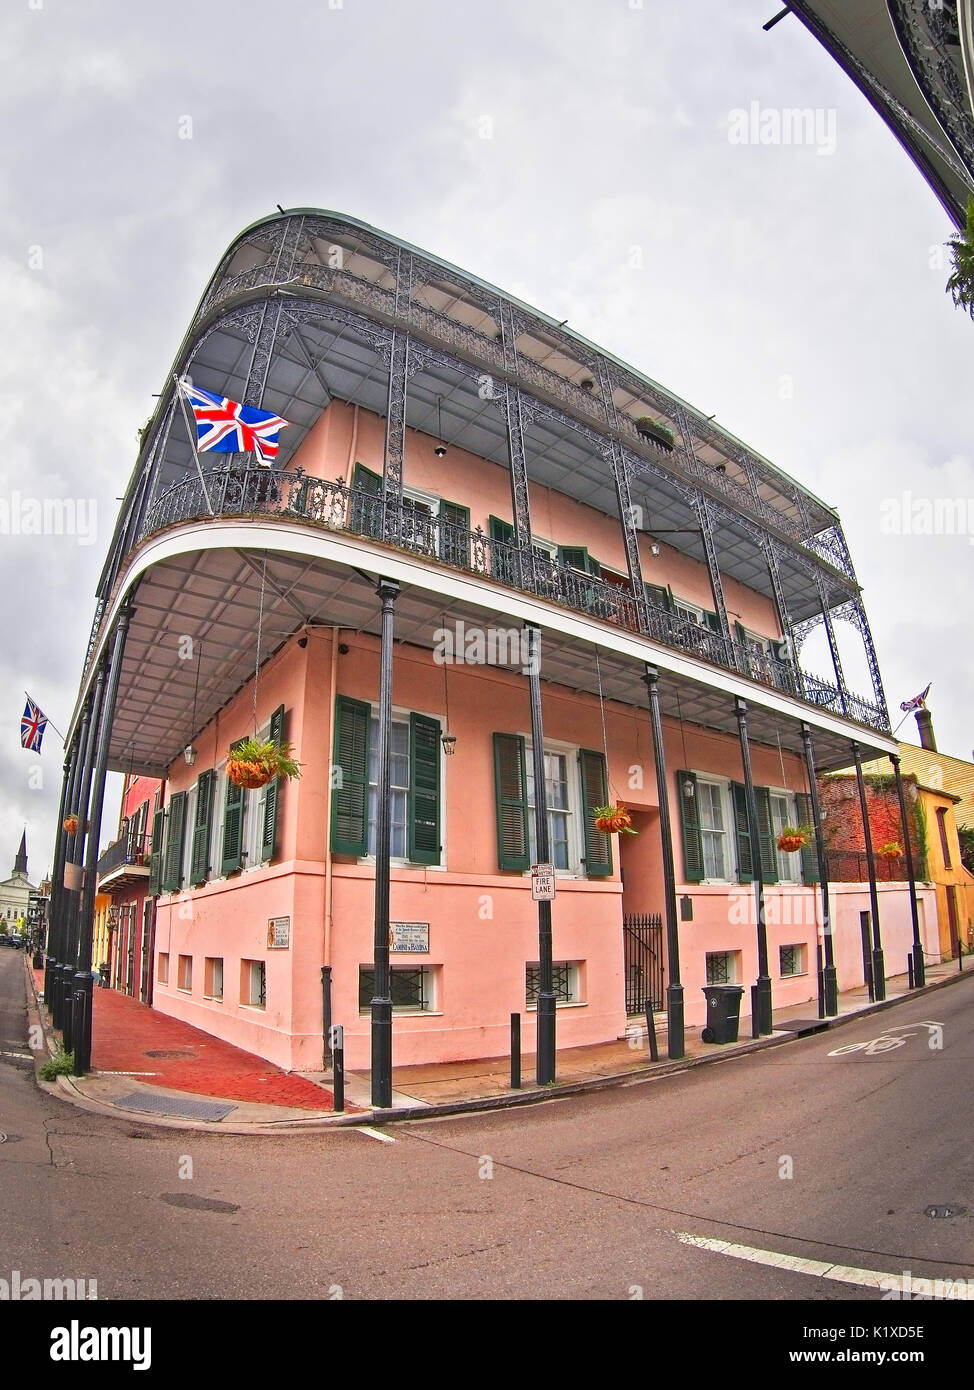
<point x="16" y="1054"/>
<point x="962" y="1289"/>
<point x="375" y="1134"/>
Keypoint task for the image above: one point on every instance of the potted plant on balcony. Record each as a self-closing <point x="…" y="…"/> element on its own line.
<point x="794" y="837"/>
<point x="648" y="428"/>
<point x="251" y="763"/>
<point x="613" y="820"/>
<point x="891" y="850"/>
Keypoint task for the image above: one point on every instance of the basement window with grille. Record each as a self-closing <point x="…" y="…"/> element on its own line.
<point x="412" y="988"/>
<point x="566" y="982"/>
<point x="792" y="960"/>
<point x="723" y="967"/>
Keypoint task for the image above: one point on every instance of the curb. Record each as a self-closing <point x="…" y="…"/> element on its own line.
<point x="66" y="1089"/>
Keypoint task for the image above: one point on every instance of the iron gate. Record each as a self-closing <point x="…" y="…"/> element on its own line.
<point x="642" y="934"/>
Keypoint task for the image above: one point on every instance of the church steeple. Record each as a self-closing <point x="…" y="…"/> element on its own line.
<point x="20" y="863"/>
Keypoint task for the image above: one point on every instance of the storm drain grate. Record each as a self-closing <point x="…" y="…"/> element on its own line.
<point x="174" y="1105"/>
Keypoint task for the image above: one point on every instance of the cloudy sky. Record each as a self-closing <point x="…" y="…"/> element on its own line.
<point x="575" y="152"/>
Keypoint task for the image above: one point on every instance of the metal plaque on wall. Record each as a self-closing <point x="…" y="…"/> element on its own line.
<point x="278" y="933"/>
<point x="409" y="936"/>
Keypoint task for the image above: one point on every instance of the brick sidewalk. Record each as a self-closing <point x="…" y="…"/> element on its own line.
<point x="126" y="1034"/>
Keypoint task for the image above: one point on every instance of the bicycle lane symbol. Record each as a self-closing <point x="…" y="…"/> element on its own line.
<point x="894" y="1038"/>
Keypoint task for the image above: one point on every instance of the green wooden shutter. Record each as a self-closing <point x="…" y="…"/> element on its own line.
<point x="595" y="792"/>
<point x="511" y="798"/>
<point x="501" y="530"/>
<point x="455" y="534"/>
<point x="768" y="839"/>
<point x="365" y="516"/>
<point x="741" y="634"/>
<point x="658" y="595"/>
<point x="803" y="804"/>
<point x="350" y="800"/>
<point x="711" y="620"/>
<point x="155" y="862"/>
<point x="424" y="790"/>
<point x="172" y="872"/>
<point x="272" y="796"/>
<point x="745" y="865"/>
<point x="233" y="812"/>
<point x="575" y="556"/>
<point x="199" y="861"/>
<point x="690" y="821"/>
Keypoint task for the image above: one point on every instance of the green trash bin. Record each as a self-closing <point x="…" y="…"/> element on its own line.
<point x="723" y="1013"/>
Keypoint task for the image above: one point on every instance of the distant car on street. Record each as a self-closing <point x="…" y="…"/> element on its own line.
<point x="15" y="940"/>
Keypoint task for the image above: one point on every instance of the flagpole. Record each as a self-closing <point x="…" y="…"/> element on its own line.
<point x="191" y="431"/>
<point x="47" y="721"/>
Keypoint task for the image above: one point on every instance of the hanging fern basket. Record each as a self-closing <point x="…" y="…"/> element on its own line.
<point x="252" y="764"/>
<point x="892" y="850"/>
<point x="793" y="837"/>
<point x="70" y="825"/>
<point x="613" y="820"/>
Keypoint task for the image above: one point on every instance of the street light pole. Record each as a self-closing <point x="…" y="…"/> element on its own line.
<point x="547" y="1002"/>
<point x="919" y="969"/>
<point x="675" y="1037"/>
<point x="879" y="968"/>
<point x="388" y="592"/>
<point x="761" y="993"/>
<point x="830" y="986"/>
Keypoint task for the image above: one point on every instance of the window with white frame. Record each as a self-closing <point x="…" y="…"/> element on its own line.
<point x="184" y="975"/>
<point x="412" y="988"/>
<point x="253" y="831"/>
<point x="561" y="798"/>
<point x="213" y="977"/>
<point x="713" y="829"/>
<point x="420" y="511"/>
<point x="186" y="854"/>
<point x="782" y="814"/>
<point x="219" y="810"/>
<point x="689" y="610"/>
<point x="566" y="976"/>
<point x="723" y="967"/>
<point x="253" y="984"/>
<point x="398" y="785"/>
<point x="792" y="960"/>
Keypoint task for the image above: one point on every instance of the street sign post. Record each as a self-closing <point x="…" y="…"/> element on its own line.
<point x="542" y="883"/>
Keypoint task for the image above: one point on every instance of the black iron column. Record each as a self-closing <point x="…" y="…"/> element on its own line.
<point x="761" y="993"/>
<point x="547" y="1002"/>
<point x="713" y="567"/>
<point x="395" y="445"/>
<point x="879" y="968"/>
<point x="630" y="530"/>
<point x="388" y="592"/>
<point x="833" y="645"/>
<point x="69" y="963"/>
<point x="675" y="1042"/>
<point x="58" y="870"/>
<point x="53" y="978"/>
<point x="919" y="970"/>
<point x="510" y="400"/>
<point x="84" y="979"/>
<point x="830" y="987"/>
<point x="784" y="617"/>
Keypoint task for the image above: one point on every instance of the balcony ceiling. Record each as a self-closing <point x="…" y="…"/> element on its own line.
<point x="213" y="596"/>
<point x="324" y="362"/>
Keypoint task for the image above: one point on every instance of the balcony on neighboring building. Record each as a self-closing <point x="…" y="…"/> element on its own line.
<point x="124" y="863"/>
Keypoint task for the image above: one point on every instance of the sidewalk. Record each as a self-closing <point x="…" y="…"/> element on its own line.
<point x="162" y="1071"/>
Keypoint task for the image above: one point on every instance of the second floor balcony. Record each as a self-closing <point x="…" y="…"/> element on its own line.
<point x="124" y="862"/>
<point x="442" y="535"/>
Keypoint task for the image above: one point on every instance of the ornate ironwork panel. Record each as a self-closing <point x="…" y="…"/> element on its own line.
<point x="263" y="350"/>
<point x="710" y="550"/>
<point x="395" y="431"/>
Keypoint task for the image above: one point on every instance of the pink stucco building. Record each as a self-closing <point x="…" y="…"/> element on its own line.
<point x="498" y="473"/>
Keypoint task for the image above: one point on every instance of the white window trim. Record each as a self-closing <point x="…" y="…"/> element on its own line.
<point x="431" y="500"/>
<point x="689" y="610"/>
<point x="791" y="818"/>
<point x="401" y="715"/>
<point x="727" y="815"/>
<point x="549" y="547"/>
<point x="576" y="840"/>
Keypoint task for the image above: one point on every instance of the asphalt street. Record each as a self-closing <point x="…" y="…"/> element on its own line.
<point x="790" y="1152"/>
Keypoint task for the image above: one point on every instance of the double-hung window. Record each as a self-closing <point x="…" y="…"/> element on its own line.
<point x="713" y="829"/>
<point x="782" y="814"/>
<point x="558" y="794"/>
<point x="398" y="785"/>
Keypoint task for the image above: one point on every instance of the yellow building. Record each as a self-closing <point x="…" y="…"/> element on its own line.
<point x="102" y="933"/>
<point x="946" y="797"/>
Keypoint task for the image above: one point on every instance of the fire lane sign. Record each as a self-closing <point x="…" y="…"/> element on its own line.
<point x="542" y="883"/>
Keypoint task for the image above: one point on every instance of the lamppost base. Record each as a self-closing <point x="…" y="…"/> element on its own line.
<point x="83" y="992"/>
<point x="831" y="991"/>
<point x="879" y="975"/>
<point x="919" y="969"/>
<point x="382" y="1053"/>
<point x="547" y="1004"/>
<point x="675" y="1032"/>
<point x="762" y="1006"/>
<point x="65" y="1020"/>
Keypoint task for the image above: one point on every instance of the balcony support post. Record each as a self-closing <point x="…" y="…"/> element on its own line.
<point x="520" y="503"/>
<point x="829" y="997"/>
<point x="547" y="1000"/>
<point x="919" y="969"/>
<point x="381" y="1006"/>
<point x="73" y="900"/>
<point x="833" y="646"/>
<point x="879" y="969"/>
<point x="57" y="873"/>
<point x="395" y="444"/>
<point x="81" y="1001"/>
<point x="675" y="1035"/>
<point x="705" y="523"/>
<point x="784" y="618"/>
<point x="629" y="516"/>
<point x="761" y="1006"/>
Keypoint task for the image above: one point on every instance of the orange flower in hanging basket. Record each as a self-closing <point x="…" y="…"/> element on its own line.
<point x="793" y="837"/>
<point x="613" y="820"/>
<point x="248" y="774"/>
<point x="70" y="825"/>
<point x="252" y="764"/>
<point x="892" y="850"/>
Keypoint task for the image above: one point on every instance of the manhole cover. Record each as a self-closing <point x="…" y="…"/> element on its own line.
<point x="186" y="1199"/>
<point x="181" y="1106"/>
<point x="170" y="1053"/>
<point x="942" y="1209"/>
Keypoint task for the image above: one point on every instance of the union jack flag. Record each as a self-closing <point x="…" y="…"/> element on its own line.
<point x="918" y="701"/>
<point x="227" y="427"/>
<point x="32" y="726"/>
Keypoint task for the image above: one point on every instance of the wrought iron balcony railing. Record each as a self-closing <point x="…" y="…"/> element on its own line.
<point x="438" y="535"/>
<point x="128" y="850"/>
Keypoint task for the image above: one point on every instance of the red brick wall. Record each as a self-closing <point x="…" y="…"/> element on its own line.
<point x="844" y="838"/>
